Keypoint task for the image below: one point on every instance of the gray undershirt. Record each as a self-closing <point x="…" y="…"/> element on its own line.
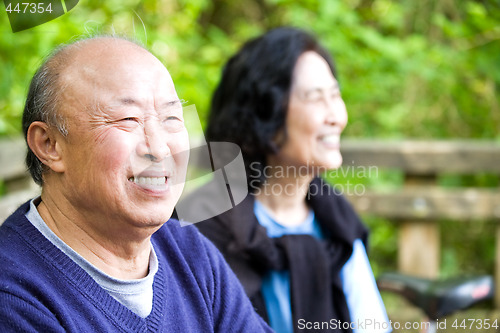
<point x="136" y="295"/>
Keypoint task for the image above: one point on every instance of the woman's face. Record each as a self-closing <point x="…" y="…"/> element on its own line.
<point x="316" y="117"/>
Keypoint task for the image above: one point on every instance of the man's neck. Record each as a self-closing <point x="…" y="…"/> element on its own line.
<point x="118" y="257"/>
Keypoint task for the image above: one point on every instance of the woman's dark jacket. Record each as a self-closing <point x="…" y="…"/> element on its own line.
<point x="314" y="265"/>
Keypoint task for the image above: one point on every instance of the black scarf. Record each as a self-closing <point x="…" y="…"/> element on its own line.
<point x="314" y="265"/>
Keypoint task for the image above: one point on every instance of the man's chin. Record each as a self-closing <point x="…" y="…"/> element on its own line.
<point x="153" y="222"/>
<point x="154" y="215"/>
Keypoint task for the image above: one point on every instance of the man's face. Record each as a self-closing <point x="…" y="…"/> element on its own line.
<point x="126" y="153"/>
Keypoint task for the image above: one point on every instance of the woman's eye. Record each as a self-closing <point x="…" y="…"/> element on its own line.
<point x="313" y="98"/>
<point x="335" y="94"/>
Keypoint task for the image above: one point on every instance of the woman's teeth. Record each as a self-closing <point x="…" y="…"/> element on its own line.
<point x="331" y="139"/>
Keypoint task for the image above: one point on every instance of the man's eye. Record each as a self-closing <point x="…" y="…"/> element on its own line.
<point x="173" y="123"/>
<point x="128" y="119"/>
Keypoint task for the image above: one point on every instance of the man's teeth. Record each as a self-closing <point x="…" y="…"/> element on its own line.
<point x="155" y="181"/>
<point x="330" y="139"/>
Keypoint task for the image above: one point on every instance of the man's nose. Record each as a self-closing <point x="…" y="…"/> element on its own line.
<point x="155" y="146"/>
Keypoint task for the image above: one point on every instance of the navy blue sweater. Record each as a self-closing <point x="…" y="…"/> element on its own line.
<point x="43" y="290"/>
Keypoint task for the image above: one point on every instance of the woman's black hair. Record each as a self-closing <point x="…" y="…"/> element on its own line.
<point x="250" y="103"/>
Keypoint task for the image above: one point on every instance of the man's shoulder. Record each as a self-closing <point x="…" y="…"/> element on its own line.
<point x="21" y="259"/>
<point x="17" y="215"/>
<point x="13" y="228"/>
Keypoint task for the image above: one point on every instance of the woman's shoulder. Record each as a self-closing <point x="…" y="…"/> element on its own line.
<point x="334" y="212"/>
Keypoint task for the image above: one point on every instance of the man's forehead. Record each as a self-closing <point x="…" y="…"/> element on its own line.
<point x="108" y="59"/>
<point x="107" y="70"/>
<point x="109" y="53"/>
<point x="164" y="104"/>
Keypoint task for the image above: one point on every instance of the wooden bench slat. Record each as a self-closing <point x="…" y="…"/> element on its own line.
<point x="431" y="203"/>
<point x="424" y="157"/>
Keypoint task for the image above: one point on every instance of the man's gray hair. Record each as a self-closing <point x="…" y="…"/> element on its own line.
<point x="42" y="104"/>
<point x="44" y="95"/>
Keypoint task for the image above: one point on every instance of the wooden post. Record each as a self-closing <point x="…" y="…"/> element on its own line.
<point x="419" y="249"/>
<point x="419" y="241"/>
<point x="497" y="269"/>
<point x="496" y="277"/>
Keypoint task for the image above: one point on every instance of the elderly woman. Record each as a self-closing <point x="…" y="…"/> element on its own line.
<point x="294" y="242"/>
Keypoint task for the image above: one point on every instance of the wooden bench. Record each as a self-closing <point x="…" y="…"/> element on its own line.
<point x="420" y="202"/>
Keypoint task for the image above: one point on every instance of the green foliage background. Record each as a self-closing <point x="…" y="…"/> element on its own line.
<point x="408" y="69"/>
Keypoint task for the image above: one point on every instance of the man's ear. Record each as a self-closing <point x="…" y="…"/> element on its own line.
<point x="44" y="142"/>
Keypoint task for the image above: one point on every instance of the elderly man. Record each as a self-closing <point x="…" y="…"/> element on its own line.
<point x="108" y="145"/>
